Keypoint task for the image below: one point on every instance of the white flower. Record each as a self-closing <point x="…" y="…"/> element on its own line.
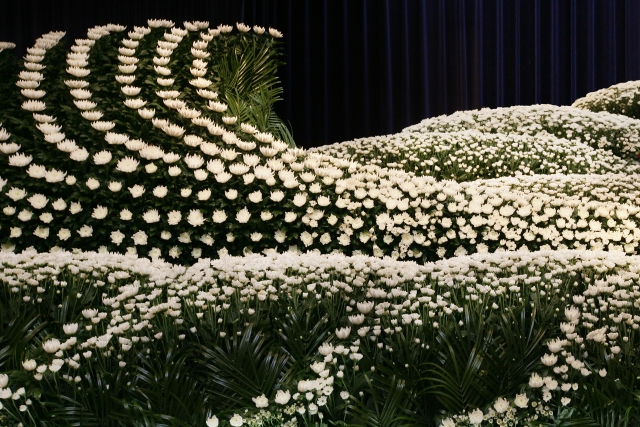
<point x="536" y="381"/>
<point x="219" y="217"/>
<point x="99" y="212"/>
<point x="174" y="171"/>
<point x="137" y="190"/>
<point x="261" y="401"/>
<point x="25" y="215"/>
<point x="93" y="183"/>
<point x="38" y="201"/>
<point x="51" y="346"/>
<point x="151" y="216"/>
<point x="85" y="231"/>
<point x="117" y="237"/>
<point x="200" y="174"/>
<point x="236" y="420"/>
<point x="282" y="397"/>
<point x="28" y="365"/>
<point x="15" y="232"/>
<point x="174" y="217"/>
<point x="126" y="215"/>
<point x="70" y="328"/>
<point x="258" y="30"/>
<point x="150" y="168"/>
<point x="185" y="192"/>
<point x="565" y="401"/>
<point x="290" y="216"/>
<point x="476" y="417"/>
<point x="275" y="33"/>
<point x="64" y="234"/>
<point x="521" y="400"/>
<point x="256" y="237"/>
<point x="195" y="218"/>
<point x="36" y="171"/>
<point x="20" y="160"/>
<point x="231" y="194"/>
<point x="54" y="175"/>
<point x="549" y="359"/>
<point x="46" y="217"/>
<point x="160" y="191"/>
<point x="343" y="333"/>
<point x="139" y="238"/>
<point x="280" y="236"/>
<point x="501" y="405"/>
<point x="9" y="210"/>
<point x="212" y="422"/>
<point x="243" y="216"/>
<point x="127" y="164"/>
<point x="102" y="158"/>
<point x="204" y="194"/>
<point x="16" y="194"/>
<point x="448" y="422"/>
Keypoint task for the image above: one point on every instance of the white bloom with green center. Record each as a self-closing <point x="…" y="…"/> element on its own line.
<point x="16" y="194"/>
<point x="151" y="216"/>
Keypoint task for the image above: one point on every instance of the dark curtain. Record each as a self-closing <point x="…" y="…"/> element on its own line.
<point x="357" y="68"/>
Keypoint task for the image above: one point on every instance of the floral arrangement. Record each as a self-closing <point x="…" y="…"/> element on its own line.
<point x="169" y="257"/>
<point x="621" y="98"/>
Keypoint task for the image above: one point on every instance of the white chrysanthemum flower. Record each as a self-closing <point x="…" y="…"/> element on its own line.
<point x="243" y="216"/>
<point x="146" y="113"/>
<point x="219" y="217"/>
<point x="117" y="237"/>
<point x="160" y="191"/>
<point x="169" y="158"/>
<point x="80" y="93"/>
<point x="85" y="231"/>
<point x="99" y="212"/>
<point x="137" y="190"/>
<point x="79" y="155"/>
<point x="207" y="94"/>
<point x="116" y="138"/>
<point x="91" y="115"/>
<point x="216" y="106"/>
<point x="127" y="164"/>
<point x="37" y="171"/>
<point x="64" y="234"/>
<point x="25" y="215"/>
<point x="59" y="205"/>
<point x="8" y="148"/>
<point x="193" y="161"/>
<point x="258" y="30"/>
<point x="151" y="216"/>
<point x="115" y="186"/>
<point x="102" y="158"/>
<point x="277" y="196"/>
<point x="135" y="103"/>
<point x="140" y="238"/>
<point x="32" y="93"/>
<point x="20" y="160"/>
<point x="195" y="218"/>
<point x="16" y="194"/>
<point x="75" y="208"/>
<point x="38" y="201"/>
<point x="93" y="183"/>
<point x="200" y="174"/>
<point x="33" y="105"/>
<point x="174" y="171"/>
<point x="275" y="33"/>
<point x="174" y="217"/>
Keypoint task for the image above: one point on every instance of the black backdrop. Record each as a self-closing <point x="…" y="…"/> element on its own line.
<point x="358" y="68"/>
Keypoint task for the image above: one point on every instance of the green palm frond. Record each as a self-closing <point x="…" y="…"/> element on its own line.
<point x="240" y="368"/>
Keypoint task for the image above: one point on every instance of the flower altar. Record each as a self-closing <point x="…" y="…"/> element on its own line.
<point x="171" y="258"/>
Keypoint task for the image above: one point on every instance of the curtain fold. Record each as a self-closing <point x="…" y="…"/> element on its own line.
<point x="357" y="68"/>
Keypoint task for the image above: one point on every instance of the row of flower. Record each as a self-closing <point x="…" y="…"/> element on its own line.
<point x="100" y="316"/>
<point x="471" y="155"/>
<point x="617" y="133"/>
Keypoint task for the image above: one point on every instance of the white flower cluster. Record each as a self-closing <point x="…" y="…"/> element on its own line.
<point x="470" y="155"/>
<point x="619" y="134"/>
<point x="622" y="98"/>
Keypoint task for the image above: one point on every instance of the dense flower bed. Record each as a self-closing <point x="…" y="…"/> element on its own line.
<point x="476" y="269"/>
<point x="622" y="98"/>
<point x="322" y="332"/>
